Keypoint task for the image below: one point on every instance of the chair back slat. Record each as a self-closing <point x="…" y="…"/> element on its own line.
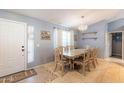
<point x="57" y="55"/>
<point x="95" y="52"/>
<point x="69" y="47"/>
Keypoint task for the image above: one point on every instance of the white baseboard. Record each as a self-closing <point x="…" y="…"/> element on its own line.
<point x="34" y="67"/>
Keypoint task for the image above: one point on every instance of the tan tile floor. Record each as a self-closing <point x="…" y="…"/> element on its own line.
<point x="105" y="72"/>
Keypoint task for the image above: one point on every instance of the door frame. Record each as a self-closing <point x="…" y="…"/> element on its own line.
<point x="122" y="42"/>
<point x="25" y="39"/>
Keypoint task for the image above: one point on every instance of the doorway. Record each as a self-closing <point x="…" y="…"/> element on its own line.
<point x="116" y="45"/>
<point x="12" y="47"/>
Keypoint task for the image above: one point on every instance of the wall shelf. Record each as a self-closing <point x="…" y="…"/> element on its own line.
<point x="89" y="33"/>
<point x="90" y="38"/>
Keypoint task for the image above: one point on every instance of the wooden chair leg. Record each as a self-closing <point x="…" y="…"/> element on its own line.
<point x="73" y="66"/>
<point x="94" y="64"/>
<point x="55" y="67"/>
<point x="96" y="61"/>
<point x="62" y="68"/>
<point x="84" y="72"/>
<point x="88" y="67"/>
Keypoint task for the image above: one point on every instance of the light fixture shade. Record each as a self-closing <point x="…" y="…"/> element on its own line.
<point x="83" y="27"/>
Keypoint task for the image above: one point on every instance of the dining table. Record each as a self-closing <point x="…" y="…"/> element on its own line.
<point x="72" y="54"/>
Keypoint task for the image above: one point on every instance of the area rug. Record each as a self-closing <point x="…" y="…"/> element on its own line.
<point x="45" y="75"/>
<point x="18" y="76"/>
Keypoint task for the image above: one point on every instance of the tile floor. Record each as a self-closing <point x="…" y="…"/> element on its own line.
<point x="105" y="72"/>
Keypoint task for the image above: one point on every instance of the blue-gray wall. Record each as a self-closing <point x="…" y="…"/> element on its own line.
<point x="101" y="29"/>
<point x="44" y="53"/>
<point x="116" y="25"/>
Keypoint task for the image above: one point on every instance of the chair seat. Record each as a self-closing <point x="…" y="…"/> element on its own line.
<point x="80" y="62"/>
<point x="77" y="62"/>
<point x="64" y="59"/>
<point x="64" y="63"/>
<point x="77" y="59"/>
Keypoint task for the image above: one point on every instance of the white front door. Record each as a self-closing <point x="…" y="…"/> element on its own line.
<point x="12" y="43"/>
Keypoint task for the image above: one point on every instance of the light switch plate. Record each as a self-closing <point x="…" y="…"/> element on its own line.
<point x="38" y="45"/>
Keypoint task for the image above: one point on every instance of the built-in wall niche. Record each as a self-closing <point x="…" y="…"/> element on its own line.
<point x="89" y="35"/>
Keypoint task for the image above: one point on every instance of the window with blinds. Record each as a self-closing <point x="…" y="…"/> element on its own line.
<point x="63" y="38"/>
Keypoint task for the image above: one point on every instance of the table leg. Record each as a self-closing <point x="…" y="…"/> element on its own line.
<point x="70" y="64"/>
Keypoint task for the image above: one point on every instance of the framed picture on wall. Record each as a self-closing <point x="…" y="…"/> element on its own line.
<point x="45" y="35"/>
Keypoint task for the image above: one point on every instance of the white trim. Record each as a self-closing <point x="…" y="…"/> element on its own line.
<point x="38" y="66"/>
<point x="34" y="67"/>
<point x="17" y="22"/>
<point x="26" y="47"/>
<point x="122" y="41"/>
<point x="116" y="31"/>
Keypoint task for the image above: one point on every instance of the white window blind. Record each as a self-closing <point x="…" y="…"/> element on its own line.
<point x="30" y="44"/>
<point x="63" y="38"/>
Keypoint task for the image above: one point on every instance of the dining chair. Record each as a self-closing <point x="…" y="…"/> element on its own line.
<point x="95" y="55"/>
<point x="83" y="61"/>
<point x="59" y="62"/>
<point x="92" y="57"/>
<point x="67" y="48"/>
<point x="71" y="47"/>
<point x="61" y="50"/>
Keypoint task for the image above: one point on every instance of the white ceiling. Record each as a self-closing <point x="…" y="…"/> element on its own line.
<point x="69" y="17"/>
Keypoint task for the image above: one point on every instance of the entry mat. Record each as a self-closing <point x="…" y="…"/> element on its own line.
<point x="12" y="78"/>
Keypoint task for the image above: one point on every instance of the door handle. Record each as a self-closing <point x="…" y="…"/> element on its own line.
<point x="23" y="50"/>
<point x="22" y="46"/>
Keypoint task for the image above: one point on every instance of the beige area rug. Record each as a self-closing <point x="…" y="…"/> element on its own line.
<point x="105" y="72"/>
<point x="45" y="75"/>
<point x="12" y="78"/>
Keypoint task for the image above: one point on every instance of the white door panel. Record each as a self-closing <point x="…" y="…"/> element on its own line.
<point x="12" y="38"/>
